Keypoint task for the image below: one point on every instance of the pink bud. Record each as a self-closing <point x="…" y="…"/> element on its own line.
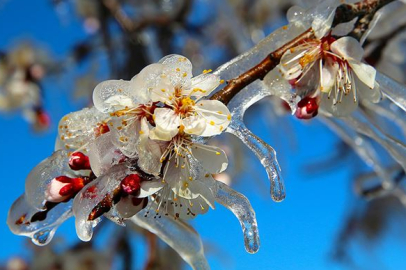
<point x="62" y="188"/>
<point x="79" y="161"/>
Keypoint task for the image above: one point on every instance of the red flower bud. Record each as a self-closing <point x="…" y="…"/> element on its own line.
<point x="79" y="161"/>
<point x="62" y="188"/>
<point x="307" y="108"/>
<point x="131" y="184"/>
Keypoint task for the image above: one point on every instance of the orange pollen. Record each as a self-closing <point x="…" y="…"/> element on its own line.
<point x="305" y="60"/>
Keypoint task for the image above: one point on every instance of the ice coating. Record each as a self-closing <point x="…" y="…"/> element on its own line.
<point x="241" y="207"/>
<point x="39" y="177"/>
<point x="40" y="231"/>
<point x="177" y="234"/>
<point x="91" y="195"/>
<point x="76" y="129"/>
<point x="103" y="154"/>
<point x="106" y="99"/>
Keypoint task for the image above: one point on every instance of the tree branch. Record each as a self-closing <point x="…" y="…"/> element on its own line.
<point x="344" y="13"/>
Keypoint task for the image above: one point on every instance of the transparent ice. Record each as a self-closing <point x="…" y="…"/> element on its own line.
<point x="41" y="231"/>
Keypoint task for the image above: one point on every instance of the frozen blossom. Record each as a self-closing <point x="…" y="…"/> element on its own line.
<point x="327" y="72"/>
<point x="141" y="149"/>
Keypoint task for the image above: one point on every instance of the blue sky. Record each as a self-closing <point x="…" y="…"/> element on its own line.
<point x="297" y="233"/>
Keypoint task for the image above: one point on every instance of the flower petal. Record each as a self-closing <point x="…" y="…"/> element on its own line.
<point x="212" y="158"/>
<point x="163" y="92"/>
<point x="328" y="76"/>
<point x="77" y="129"/>
<point x="129" y="206"/>
<point x="373" y="95"/>
<point x="178" y="69"/>
<point x="194" y="125"/>
<point x="148" y="78"/>
<point x="348" y="48"/>
<point x="150" y="187"/>
<point x="321" y="25"/>
<point x="339" y="109"/>
<point x="179" y="178"/>
<point x="215" y="114"/>
<point x="290" y="66"/>
<point x="112" y="95"/>
<point x="167" y="124"/>
<point x="364" y="72"/>
<point x="203" y="85"/>
<point x="149" y="151"/>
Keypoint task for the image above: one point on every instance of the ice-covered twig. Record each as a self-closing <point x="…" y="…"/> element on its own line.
<point x="393" y="90"/>
<point x="362" y="147"/>
<point x="344" y="13"/>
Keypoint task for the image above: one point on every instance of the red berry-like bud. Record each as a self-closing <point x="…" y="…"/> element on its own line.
<point x="79" y="161"/>
<point x="131" y="184"/>
<point x="307" y="108"/>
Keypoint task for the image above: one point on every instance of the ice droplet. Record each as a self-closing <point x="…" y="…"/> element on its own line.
<point x="43" y="237"/>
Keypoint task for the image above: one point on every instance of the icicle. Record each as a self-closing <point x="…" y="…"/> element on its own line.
<point x="392" y="89"/>
<point x="266" y="155"/>
<point x="383" y="109"/>
<point x="363" y="149"/>
<point x="241" y="207"/>
<point x="362" y="125"/>
<point x="177" y="234"/>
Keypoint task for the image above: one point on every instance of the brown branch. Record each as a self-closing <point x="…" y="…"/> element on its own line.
<point x="259" y="71"/>
<point x="363" y="21"/>
<point x="344" y="13"/>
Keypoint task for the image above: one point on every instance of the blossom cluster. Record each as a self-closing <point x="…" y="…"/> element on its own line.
<point x="141" y="150"/>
